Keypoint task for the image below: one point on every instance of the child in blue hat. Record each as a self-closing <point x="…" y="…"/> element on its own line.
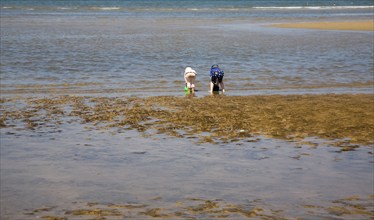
<point x="216" y="79"/>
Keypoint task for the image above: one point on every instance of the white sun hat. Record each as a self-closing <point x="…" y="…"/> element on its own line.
<point x="189" y="70"/>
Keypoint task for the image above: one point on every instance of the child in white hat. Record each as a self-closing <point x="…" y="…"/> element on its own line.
<point x="189" y="78"/>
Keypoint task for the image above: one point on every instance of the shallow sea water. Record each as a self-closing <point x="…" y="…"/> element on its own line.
<point x="72" y="166"/>
<point x="146" y="55"/>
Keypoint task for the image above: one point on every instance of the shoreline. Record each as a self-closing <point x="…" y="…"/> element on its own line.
<point x="100" y="89"/>
<point x="331" y="25"/>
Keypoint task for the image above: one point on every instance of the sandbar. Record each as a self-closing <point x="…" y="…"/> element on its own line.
<point x="332" y="25"/>
<point x="225" y="118"/>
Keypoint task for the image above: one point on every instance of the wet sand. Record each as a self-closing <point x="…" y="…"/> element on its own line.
<point x="225" y="118"/>
<point x="331" y="25"/>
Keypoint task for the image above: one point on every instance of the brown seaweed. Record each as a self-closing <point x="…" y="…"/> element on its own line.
<point x="212" y="119"/>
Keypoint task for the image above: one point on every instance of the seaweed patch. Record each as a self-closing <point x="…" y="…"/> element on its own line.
<point x="348" y="119"/>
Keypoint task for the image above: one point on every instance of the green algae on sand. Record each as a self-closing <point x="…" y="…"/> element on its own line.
<point x="353" y="207"/>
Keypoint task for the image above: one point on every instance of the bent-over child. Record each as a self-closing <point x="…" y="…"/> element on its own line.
<point x="216" y="79"/>
<point x="189" y="78"/>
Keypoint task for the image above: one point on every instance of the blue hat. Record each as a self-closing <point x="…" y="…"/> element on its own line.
<point x="214" y="66"/>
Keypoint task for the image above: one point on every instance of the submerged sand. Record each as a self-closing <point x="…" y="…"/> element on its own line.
<point x="342" y="25"/>
<point x="194" y="208"/>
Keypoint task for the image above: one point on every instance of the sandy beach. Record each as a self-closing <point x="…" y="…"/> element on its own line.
<point x="332" y="25"/>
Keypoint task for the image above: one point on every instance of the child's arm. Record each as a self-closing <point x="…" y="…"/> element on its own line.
<point x="222" y="86"/>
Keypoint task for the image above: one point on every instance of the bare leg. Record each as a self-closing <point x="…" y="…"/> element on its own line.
<point x="222" y="87"/>
<point x="192" y="84"/>
<point x="211" y="88"/>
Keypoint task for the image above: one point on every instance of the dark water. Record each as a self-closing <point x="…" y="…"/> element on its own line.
<point x="173" y="4"/>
